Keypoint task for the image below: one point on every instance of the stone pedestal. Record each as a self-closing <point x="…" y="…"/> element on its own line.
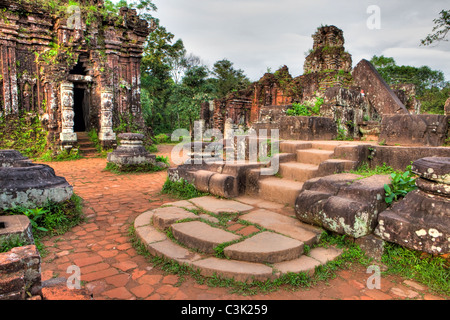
<point x="421" y="221"/>
<point x="131" y="151"/>
<point x="31" y="185"/>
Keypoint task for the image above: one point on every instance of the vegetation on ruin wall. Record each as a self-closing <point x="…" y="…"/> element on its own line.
<point x="46" y="221"/>
<point x="23" y="133"/>
<point x="432" y="90"/>
<point x="306" y="109"/>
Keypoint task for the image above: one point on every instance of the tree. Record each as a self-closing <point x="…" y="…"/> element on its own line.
<point x="156" y="80"/>
<point x="227" y="79"/>
<point x="441" y="29"/>
<point x="431" y="88"/>
<point x="187" y="97"/>
<point x="181" y="63"/>
<point x="423" y="77"/>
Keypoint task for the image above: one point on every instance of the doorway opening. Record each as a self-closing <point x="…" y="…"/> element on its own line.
<point x="79" y="110"/>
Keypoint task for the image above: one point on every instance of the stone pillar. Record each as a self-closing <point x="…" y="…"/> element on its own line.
<point x="67" y="136"/>
<point x="107" y="135"/>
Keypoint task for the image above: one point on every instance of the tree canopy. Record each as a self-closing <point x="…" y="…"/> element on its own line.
<point x="431" y="88"/>
<point x="440" y="30"/>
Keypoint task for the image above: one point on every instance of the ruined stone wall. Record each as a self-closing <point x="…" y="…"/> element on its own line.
<point x="52" y="63"/>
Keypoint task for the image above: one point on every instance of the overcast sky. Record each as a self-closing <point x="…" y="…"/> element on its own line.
<point x="259" y="34"/>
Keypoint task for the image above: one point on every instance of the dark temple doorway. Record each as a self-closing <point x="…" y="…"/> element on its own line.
<point x="79" y="110"/>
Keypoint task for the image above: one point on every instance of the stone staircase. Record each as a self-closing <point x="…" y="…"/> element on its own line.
<point x="86" y="146"/>
<point x="305" y="161"/>
<point x="273" y="243"/>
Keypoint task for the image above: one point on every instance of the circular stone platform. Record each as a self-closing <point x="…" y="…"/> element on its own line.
<point x="250" y="251"/>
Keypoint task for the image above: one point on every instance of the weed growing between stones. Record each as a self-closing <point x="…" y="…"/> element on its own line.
<point x="11" y="241"/>
<point x="402" y="182"/>
<point x="181" y="189"/>
<point x="93" y="137"/>
<point x="52" y="219"/>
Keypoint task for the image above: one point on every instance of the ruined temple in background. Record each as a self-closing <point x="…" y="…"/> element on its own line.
<point x="356" y="99"/>
<point x="75" y="67"/>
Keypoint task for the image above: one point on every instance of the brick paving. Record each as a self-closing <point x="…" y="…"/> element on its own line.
<point x="112" y="269"/>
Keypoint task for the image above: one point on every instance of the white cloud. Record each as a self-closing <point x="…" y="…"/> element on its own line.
<point x="257" y="34"/>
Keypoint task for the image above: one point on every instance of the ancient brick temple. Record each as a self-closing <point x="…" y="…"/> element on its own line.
<point x="355" y="98"/>
<point x="75" y="66"/>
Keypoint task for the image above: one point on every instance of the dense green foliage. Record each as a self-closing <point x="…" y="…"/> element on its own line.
<point x="51" y="219"/>
<point x="401" y="184"/>
<point x="24" y="133"/>
<point x="306" y="109"/>
<point x="431" y="88"/>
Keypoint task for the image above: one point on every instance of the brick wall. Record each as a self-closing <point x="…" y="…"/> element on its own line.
<point x="20" y="273"/>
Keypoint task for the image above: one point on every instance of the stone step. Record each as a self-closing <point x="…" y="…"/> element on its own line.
<point x="279" y="190"/>
<point x="313" y="156"/>
<point x="293" y="146"/>
<point x="201" y="236"/>
<point x="325" y="145"/>
<point x="238" y="270"/>
<point x="288" y="226"/>
<point x="308" y="263"/>
<point x="164" y="217"/>
<point x="298" y="171"/>
<point x="265" y="247"/>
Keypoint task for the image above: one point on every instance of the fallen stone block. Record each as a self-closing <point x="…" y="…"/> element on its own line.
<point x="421" y="220"/>
<point x="422" y="130"/>
<point x="343" y="203"/>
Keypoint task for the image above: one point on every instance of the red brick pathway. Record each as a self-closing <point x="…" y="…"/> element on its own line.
<point x="111" y="268"/>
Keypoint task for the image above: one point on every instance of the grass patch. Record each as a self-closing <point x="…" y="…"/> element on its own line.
<point x="63" y="155"/>
<point x="132" y="168"/>
<point x="432" y="271"/>
<point x="51" y="219"/>
<point x="365" y="171"/>
<point x="181" y="189"/>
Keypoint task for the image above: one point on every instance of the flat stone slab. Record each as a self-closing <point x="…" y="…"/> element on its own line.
<point x="215" y="205"/>
<point x="148" y="234"/>
<point x="284" y="225"/>
<point x="164" y="217"/>
<point x="303" y="264"/>
<point x="258" y="202"/>
<point x="144" y="219"/>
<point x="239" y="270"/>
<point x="201" y="236"/>
<point x="323" y="255"/>
<point x="265" y="247"/>
<point x="169" y="250"/>
<point x="182" y="204"/>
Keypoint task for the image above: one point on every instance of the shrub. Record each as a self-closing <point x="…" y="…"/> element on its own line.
<point x="181" y="189"/>
<point x="162" y="138"/>
<point x="402" y="183"/>
<point x="306" y="109"/>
